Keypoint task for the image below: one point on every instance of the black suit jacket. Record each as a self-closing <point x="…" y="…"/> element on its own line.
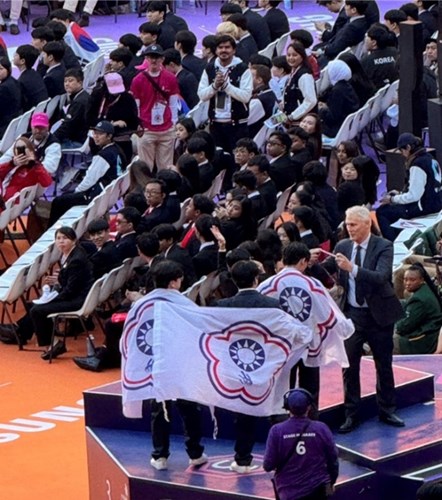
<point x="127" y="246"/>
<point x="176" y="22"/>
<point x="206" y="261"/>
<point x="351" y="34"/>
<point x="54" y="81"/>
<point x="339" y="23"/>
<point x="166" y="38"/>
<point x="182" y="257"/>
<point x="246" y="48"/>
<point x="269" y="193"/>
<point x="159" y="215"/>
<point x="283" y="172"/>
<point x="194" y="64"/>
<point x="249" y="298"/>
<point x="10" y="102"/>
<point x="75" y="276"/>
<point x="188" y="87"/>
<point x="104" y="260"/>
<point x="374" y="278"/>
<point x="258" y="27"/>
<point x="33" y="88"/>
<point x="277" y="22"/>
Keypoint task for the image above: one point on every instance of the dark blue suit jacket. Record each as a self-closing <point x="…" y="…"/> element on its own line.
<point x="249" y="298"/>
<point x="374" y="278"/>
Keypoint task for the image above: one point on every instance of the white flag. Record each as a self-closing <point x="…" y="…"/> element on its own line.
<point x="308" y="300"/>
<point x="136" y="346"/>
<point x="231" y="358"/>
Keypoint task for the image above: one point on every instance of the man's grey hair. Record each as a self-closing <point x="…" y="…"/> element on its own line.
<point x="359" y="211"/>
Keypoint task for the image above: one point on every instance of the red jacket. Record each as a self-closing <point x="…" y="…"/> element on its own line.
<point x="23" y="177"/>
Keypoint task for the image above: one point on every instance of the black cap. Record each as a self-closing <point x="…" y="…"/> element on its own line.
<point x="154" y="50"/>
<point x="104" y="126"/>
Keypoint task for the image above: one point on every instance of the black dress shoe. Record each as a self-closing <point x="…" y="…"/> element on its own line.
<point x="58" y="349"/>
<point x="392" y="420"/>
<point x="349" y="425"/>
<point x="91" y="363"/>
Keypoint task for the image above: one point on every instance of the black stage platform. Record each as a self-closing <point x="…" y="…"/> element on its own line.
<point x="376" y="461"/>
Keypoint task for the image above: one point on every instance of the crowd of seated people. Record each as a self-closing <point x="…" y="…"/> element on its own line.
<point x="170" y="211"/>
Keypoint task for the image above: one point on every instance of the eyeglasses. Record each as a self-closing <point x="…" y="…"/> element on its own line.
<point x="272" y="143"/>
<point x="120" y="221"/>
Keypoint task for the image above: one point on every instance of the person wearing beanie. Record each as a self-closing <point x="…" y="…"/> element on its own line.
<point x="303" y="449"/>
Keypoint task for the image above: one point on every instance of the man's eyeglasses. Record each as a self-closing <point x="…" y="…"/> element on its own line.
<point x="273" y="143"/>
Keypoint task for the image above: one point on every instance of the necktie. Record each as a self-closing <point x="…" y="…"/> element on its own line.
<point x="358" y="288"/>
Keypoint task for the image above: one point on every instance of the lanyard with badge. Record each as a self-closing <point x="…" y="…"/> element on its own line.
<point x="159" y="108"/>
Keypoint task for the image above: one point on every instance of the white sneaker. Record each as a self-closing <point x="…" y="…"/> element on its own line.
<point x="240" y="469"/>
<point x="195" y="462"/>
<point x="159" y="463"/>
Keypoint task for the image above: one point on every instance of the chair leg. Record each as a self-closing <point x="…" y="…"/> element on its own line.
<point x="55" y="330"/>
<point x="5" y="311"/>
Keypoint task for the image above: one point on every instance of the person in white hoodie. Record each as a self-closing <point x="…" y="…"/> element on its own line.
<point x="227" y="85"/>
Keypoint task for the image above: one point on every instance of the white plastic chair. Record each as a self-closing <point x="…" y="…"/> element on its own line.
<point x="342" y="135"/>
<point x="269" y="51"/>
<point x="87" y="309"/>
<point x="217" y="183"/>
<point x="23" y="124"/>
<point x="200" y="113"/>
<point x="390" y="94"/>
<point x="41" y="106"/>
<point x="92" y="71"/>
<point x="281" y="44"/>
<point x="179" y="223"/>
<point x="52" y="105"/>
<point x="10" y="135"/>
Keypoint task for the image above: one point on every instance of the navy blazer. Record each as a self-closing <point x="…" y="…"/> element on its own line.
<point x="249" y="298"/>
<point x="374" y="278"/>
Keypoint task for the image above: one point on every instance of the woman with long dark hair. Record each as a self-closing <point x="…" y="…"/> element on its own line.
<point x="184" y="129"/>
<point x="311" y="123"/>
<point x="418" y="331"/>
<point x="240" y="224"/>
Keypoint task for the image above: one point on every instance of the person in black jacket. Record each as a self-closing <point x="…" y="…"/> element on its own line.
<point x="328" y="33"/>
<point x="106" y="166"/>
<point x="127" y="220"/>
<point x="103" y="253"/>
<point x="70" y="60"/>
<point x="276" y="19"/>
<point x="185" y="43"/>
<point x="187" y="82"/>
<point x="73" y="128"/>
<point x="120" y="61"/>
<point x="10" y="95"/>
<point x="259" y="166"/>
<point x="72" y="283"/>
<point x="341" y="99"/>
<point x="282" y="170"/>
<point x="156" y="13"/>
<point x="157" y="212"/>
<point x="258" y="26"/>
<point x="245" y="275"/>
<point x="33" y="88"/>
<point x="54" y="77"/>
<point x="177" y="22"/>
<point x="198" y="148"/>
<point x="246" y="45"/>
<point x="206" y="260"/>
<point x="170" y="249"/>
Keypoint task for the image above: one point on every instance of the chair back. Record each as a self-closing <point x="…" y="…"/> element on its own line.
<point x="10" y="135"/>
<point x="23" y="124"/>
<point x="281" y="44"/>
<point x="269" y="51"/>
<point x="200" y="113"/>
<point x="107" y="287"/>
<point x="179" y="223"/>
<point x="52" y="105"/>
<point x="390" y="94"/>
<point x="41" y="106"/>
<point x="217" y="183"/>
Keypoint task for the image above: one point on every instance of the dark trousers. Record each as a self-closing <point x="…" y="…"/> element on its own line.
<point x="226" y="135"/>
<point x="190" y="414"/>
<point x="380" y="340"/>
<point x="387" y="214"/>
<point x="63" y="203"/>
<point x="318" y="494"/>
<point x="37" y="321"/>
<point x="245" y="438"/>
<point x="113" y="332"/>
<point x="309" y="379"/>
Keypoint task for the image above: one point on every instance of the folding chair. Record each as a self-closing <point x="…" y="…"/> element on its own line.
<point x="269" y="51"/>
<point x="179" y="223"/>
<point x="10" y="135"/>
<point x="217" y="183"/>
<point x="41" y="106"/>
<point x="281" y="44"/>
<point x="23" y="124"/>
<point x="52" y="105"/>
<point x="85" y="311"/>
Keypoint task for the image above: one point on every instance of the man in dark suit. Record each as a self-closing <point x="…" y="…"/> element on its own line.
<point x="185" y="43"/>
<point x="352" y="33"/>
<point x="127" y="221"/>
<point x="54" y="78"/>
<point x="364" y="265"/>
<point x="276" y="19"/>
<point x="198" y="205"/>
<point x="170" y="249"/>
<point x="282" y="170"/>
<point x="156" y="13"/>
<point x="206" y="260"/>
<point x="328" y="32"/>
<point x="259" y="166"/>
<point x="187" y="81"/>
<point x="177" y="22"/>
<point x="33" y="88"/>
<point x="157" y="211"/>
<point x="258" y="27"/>
<point x="246" y="45"/>
<point x="245" y="275"/>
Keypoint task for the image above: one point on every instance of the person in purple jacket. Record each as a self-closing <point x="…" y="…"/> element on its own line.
<point x="302" y="453"/>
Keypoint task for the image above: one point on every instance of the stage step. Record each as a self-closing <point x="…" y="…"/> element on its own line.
<point x="103" y="404"/>
<point x="119" y="464"/>
<point x="393" y="450"/>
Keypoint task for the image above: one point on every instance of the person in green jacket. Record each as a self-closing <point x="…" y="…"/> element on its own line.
<point x="418" y="331"/>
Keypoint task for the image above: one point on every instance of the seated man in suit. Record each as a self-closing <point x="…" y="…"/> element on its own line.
<point x="198" y="205"/>
<point x="157" y="211"/>
<point x="245" y="275"/>
<point x="259" y="166"/>
<point x="199" y="149"/>
<point x="103" y="254"/>
<point x="246" y="180"/>
<point x="282" y="170"/>
<point x="206" y="260"/>
<point x="127" y="221"/>
<point x="185" y="43"/>
<point x="170" y="249"/>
